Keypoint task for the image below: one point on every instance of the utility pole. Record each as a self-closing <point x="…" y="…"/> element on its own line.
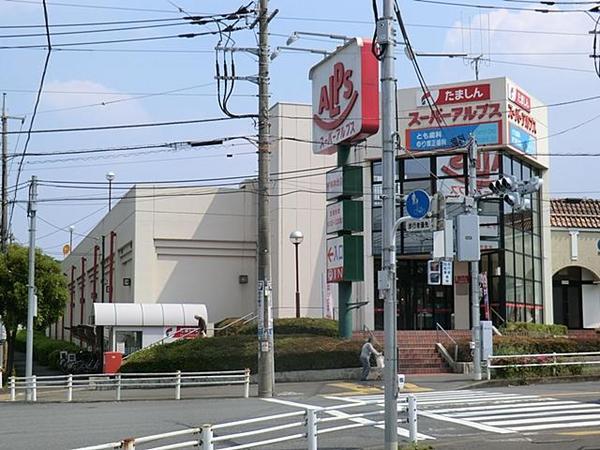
<point x="386" y="36"/>
<point x="471" y="208"/>
<point x="31" y="212"/>
<point x="266" y="363"/>
<point x="4" y="219"/>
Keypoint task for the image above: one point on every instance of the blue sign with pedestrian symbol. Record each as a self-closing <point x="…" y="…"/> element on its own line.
<point x="417" y="204"/>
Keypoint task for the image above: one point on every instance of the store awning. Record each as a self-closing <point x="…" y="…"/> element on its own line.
<point x="149" y="315"/>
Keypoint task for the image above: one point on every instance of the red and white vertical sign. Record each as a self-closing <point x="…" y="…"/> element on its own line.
<point x="345" y="96"/>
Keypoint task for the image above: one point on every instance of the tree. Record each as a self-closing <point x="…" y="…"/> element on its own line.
<point x="50" y="287"/>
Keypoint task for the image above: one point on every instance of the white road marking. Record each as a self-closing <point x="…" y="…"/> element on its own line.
<point x="542" y="420"/>
<point x="552" y="426"/>
<point x="465" y="423"/>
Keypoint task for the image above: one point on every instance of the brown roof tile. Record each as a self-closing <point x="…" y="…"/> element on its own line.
<point x="575" y="213"/>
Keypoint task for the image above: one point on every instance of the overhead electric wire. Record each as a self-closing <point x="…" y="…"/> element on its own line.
<point x="37" y="103"/>
<point x="92" y="24"/>
<point x="497" y="7"/>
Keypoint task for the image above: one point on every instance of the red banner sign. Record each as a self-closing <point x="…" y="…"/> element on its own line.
<point x="457" y="94"/>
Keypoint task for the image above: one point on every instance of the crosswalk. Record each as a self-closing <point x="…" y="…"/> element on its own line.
<point x="498" y="412"/>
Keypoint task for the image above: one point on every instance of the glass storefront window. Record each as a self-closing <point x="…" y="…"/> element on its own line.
<point x="417" y="168"/>
<point x="128" y="341"/>
<point x="538" y="296"/>
<point x="450" y="166"/>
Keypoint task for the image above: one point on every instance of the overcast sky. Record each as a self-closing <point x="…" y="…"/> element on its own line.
<point x="92" y="85"/>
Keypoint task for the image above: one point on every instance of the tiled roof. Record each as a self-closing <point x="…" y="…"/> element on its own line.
<point x="575" y="213"/>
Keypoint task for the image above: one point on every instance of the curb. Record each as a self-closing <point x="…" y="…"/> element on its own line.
<point x="505" y="382"/>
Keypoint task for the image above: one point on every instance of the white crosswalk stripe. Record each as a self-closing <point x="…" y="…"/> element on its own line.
<point x="498" y="412"/>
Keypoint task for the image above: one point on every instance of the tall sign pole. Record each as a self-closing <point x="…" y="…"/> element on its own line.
<point x="31" y="212"/>
<point x="266" y="364"/>
<point x="386" y="36"/>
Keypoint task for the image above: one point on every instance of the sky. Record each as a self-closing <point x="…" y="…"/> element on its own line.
<point x="172" y="79"/>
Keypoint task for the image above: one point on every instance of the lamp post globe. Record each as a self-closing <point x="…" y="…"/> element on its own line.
<point x="296" y="238"/>
<point x="110" y="176"/>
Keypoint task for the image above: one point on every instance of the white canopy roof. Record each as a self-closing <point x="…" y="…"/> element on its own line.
<point x="148" y="315"/>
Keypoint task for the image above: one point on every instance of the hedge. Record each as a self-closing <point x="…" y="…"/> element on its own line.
<point x="534" y="329"/>
<point x="45" y="350"/>
<point x="298" y="326"/>
<point x="512" y="345"/>
<point x="239" y="352"/>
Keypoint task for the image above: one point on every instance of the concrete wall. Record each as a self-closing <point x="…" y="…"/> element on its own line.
<point x="176" y="245"/>
<point x="298" y="203"/>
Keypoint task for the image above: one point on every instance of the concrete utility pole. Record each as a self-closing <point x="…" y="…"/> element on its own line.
<point x="4" y="220"/>
<point x="471" y="208"/>
<point x="31" y="212"/>
<point x="266" y="363"/>
<point x="386" y="36"/>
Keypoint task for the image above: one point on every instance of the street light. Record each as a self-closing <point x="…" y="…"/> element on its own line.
<point x="71" y="228"/>
<point x="110" y="176"/>
<point x="296" y="238"/>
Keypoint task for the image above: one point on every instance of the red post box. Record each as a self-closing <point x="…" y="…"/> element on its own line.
<point x="112" y="361"/>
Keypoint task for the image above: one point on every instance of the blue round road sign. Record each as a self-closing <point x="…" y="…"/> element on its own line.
<point x="417" y="204"/>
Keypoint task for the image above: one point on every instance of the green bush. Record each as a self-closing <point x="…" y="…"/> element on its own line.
<point x="305" y="325"/>
<point x="44" y="347"/>
<point x="534" y="329"/>
<point x="239" y="352"/>
<point x="512" y="345"/>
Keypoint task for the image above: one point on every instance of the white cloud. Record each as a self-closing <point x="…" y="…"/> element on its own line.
<point x="91" y="102"/>
<point x="468" y="33"/>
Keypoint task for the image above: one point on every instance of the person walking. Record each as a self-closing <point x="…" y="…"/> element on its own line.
<point x="365" y="358"/>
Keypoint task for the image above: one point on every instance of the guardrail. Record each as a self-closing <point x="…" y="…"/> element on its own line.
<point x="543" y="359"/>
<point x="303" y="424"/>
<point x="120" y="381"/>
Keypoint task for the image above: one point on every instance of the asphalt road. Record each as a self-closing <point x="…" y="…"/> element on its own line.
<point x="545" y="417"/>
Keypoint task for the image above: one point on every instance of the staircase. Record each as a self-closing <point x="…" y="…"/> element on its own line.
<point x="417" y="353"/>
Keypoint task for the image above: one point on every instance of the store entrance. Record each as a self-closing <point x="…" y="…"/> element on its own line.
<point x="421" y="306"/>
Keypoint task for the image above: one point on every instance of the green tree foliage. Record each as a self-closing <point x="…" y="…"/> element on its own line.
<point x="51" y="290"/>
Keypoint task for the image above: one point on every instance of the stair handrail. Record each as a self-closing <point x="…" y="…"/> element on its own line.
<point x="244" y="319"/>
<point x="438" y="327"/>
<point x="497" y="315"/>
<point x="183" y="333"/>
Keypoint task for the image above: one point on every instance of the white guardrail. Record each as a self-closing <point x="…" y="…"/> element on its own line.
<point x="543" y="359"/>
<point x="120" y="381"/>
<point x="306" y="424"/>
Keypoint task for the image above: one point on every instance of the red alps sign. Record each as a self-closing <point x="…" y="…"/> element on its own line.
<point x="345" y="97"/>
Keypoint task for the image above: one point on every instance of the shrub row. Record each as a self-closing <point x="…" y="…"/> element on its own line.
<point x="534" y="329"/>
<point x="297" y="326"/>
<point x="239" y="352"/>
<point x="45" y="350"/>
<point x="512" y="345"/>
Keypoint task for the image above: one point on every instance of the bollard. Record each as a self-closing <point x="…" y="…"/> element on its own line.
<point x="119" y="387"/>
<point x="128" y="444"/>
<point x="13" y="389"/>
<point x="34" y="388"/>
<point x="206" y="437"/>
<point x="489" y="371"/>
<point x="412" y="419"/>
<point x="311" y="429"/>
<point x="70" y="388"/>
<point x="178" y="385"/>
<point x="247" y="384"/>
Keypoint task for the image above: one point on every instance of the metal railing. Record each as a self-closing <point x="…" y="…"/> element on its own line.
<point x="439" y="328"/>
<point x="543" y="359"/>
<point x="244" y="319"/>
<point x="120" y="381"/>
<point x="307" y="424"/>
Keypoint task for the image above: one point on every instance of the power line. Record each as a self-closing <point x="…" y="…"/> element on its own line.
<point x="496" y="7"/>
<point x="90" y="24"/>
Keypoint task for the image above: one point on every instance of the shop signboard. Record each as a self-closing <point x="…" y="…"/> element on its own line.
<point x="522" y="140"/>
<point x="345" y="96"/>
<point x="344" y="181"/>
<point x="344" y="255"/>
<point x="345" y="215"/>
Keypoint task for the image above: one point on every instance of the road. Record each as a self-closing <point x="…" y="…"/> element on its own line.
<point x="560" y="416"/>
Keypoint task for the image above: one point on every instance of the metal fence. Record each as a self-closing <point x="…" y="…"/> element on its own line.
<point x="307" y="424"/>
<point x="121" y="381"/>
<point x="541" y="360"/>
